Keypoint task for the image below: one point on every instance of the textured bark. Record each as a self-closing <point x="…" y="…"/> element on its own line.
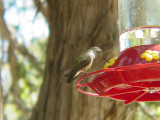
<point x="75" y="26"/>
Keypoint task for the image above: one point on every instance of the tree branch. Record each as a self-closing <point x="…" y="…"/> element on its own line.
<point x="19" y="102"/>
<point x="41" y="7"/>
<point x="1" y="100"/>
<point x="6" y="34"/>
<point x="30" y="57"/>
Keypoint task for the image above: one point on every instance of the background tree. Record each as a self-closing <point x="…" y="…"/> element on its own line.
<point x="74" y="27"/>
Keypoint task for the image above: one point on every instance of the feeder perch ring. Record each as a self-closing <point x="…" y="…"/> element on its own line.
<point x="130" y="79"/>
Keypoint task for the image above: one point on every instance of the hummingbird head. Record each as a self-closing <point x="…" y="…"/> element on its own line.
<point x="96" y="50"/>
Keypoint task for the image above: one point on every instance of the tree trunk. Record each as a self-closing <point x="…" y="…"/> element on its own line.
<point x="75" y="26"/>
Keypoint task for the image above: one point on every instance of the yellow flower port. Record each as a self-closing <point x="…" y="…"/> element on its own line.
<point x="150" y="55"/>
<point x="111" y="63"/>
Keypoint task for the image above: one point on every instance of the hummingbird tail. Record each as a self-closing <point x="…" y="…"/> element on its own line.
<point x="70" y="78"/>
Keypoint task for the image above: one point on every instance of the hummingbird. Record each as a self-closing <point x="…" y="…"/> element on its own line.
<point x="83" y="63"/>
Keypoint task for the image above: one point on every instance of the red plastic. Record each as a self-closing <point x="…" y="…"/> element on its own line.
<point x="130" y="79"/>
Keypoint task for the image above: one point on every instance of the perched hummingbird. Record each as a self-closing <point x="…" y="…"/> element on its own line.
<point x="83" y="62"/>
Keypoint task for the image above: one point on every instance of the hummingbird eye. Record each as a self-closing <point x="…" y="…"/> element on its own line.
<point x="100" y="51"/>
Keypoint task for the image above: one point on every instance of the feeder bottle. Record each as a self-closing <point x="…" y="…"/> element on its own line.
<point x="139" y="22"/>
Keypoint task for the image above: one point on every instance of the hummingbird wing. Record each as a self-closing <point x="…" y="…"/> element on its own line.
<point x="79" y="63"/>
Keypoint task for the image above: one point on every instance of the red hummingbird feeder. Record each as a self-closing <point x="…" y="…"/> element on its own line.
<point x="134" y="76"/>
<point x="131" y="78"/>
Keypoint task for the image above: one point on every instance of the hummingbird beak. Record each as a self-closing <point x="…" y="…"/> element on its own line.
<point x="104" y="58"/>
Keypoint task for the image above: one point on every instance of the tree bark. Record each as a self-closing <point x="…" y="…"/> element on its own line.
<point x="75" y="26"/>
